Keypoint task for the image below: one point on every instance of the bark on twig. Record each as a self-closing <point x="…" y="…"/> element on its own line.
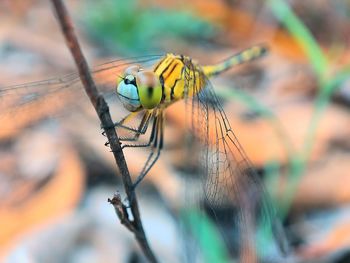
<point x="102" y="110"/>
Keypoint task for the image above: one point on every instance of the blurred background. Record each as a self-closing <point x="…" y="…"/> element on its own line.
<point x="289" y="110"/>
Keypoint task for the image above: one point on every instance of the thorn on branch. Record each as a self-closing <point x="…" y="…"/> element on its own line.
<point x="121" y="211"/>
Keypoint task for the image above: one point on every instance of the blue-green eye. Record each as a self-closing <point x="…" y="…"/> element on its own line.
<point x="127" y="93"/>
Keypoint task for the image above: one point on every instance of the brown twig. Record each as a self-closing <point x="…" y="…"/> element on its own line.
<point x="102" y="110"/>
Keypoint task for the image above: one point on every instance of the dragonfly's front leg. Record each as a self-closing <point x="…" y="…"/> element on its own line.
<point x="141" y="129"/>
<point x="151" y="138"/>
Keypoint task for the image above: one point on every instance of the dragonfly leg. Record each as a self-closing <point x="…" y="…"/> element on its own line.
<point x="141" y="129"/>
<point x="157" y="141"/>
<point x="126" y="118"/>
<point x="151" y="138"/>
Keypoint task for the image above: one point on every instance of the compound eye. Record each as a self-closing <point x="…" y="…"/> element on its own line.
<point x="150" y="89"/>
<point x="127" y="93"/>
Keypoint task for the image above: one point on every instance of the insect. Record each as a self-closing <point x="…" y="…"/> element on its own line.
<point x="228" y="178"/>
<point x="172" y="79"/>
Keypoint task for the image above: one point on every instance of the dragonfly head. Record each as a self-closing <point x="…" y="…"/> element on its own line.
<point x="139" y="89"/>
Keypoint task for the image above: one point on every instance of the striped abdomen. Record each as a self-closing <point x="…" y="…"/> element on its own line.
<point x="239" y="58"/>
<point x="181" y="77"/>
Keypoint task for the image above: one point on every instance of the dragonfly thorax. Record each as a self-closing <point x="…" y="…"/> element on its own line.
<point x="139" y="89"/>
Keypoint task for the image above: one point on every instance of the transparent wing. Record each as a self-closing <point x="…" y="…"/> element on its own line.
<point x="24" y="104"/>
<point x="104" y="73"/>
<point x="234" y="195"/>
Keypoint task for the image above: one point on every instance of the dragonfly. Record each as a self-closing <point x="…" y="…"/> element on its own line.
<point x="175" y="77"/>
<point x="227" y="175"/>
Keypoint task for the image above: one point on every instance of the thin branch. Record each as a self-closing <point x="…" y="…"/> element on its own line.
<point x="102" y="110"/>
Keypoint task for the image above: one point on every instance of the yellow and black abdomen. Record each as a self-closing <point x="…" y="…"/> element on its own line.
<point x="244" y="56"/>
<point x="181" y="77"/>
